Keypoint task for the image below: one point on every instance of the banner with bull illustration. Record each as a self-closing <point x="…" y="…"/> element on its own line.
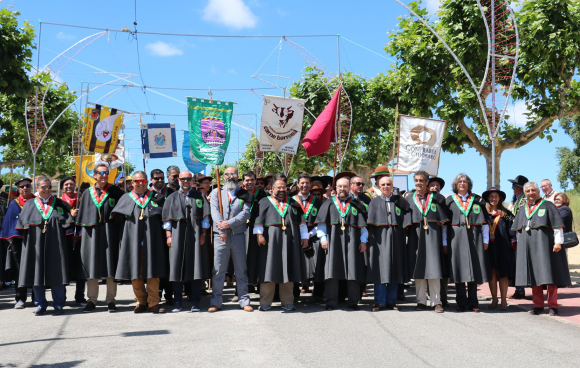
<point x="159" y="140"/>
<point x="101" y="129"/>
<point x="209" y="129"/>
<point x="281" y="124"/>
<point x="420" y="142"/>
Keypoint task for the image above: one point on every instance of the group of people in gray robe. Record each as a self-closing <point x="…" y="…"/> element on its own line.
<point x="174" y="237"/>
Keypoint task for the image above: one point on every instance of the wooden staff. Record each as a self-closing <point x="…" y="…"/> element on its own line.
<point x="217" y="173"/>
<point x="11" y="181"/>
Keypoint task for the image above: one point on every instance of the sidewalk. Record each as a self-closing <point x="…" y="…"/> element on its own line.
<point x="568" y="298"/>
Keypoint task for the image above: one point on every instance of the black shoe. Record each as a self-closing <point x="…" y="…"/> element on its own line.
<point x="401" y="296"/>
<point x="536" y="311"/>
<point x="112" y="307"/>
<point x="553" y="312"/>
<point x="391" y="307"/>
<point x="461" y="308"/>
<point x="354" y="307"/>
<point x="446" y="304"/>
<point x="420" y="307"/>
<point x="89" y="308"/>
<point x="58" y="312"/>
<point x="329" y="307"/>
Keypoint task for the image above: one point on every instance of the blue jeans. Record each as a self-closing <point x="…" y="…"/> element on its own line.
<point x="386" y="294"/>
<point x="58" y="296"/>
<point x="195" y="293"/>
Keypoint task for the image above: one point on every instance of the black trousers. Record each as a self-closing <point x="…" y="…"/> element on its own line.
<point x="331" y="292"/>
<point x="443" y="291"/>
<point x="466" y="298"/>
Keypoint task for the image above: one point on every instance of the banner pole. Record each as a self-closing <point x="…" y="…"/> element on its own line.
<point x="11" y="181"/>
<point x="334" y="172"/>
<point x="219" y="189"/>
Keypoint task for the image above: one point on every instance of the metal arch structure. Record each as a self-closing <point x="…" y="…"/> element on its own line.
<point x="501" y="29"/>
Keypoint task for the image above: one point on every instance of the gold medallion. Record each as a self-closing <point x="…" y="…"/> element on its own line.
<point x="425" y="226"/>
<point x="283" y="224"/>
<point x="141" y="215"/>
<point x="342" y="224"/>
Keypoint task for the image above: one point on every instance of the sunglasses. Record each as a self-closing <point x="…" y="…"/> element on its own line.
<point x="185" y="179"/>
<point x="24" y="186"/>
<point x="102" y="172"/>
<point x="359" y="184"/>
<point x="158" y="178"/>
<point x="175" y="176"/>
<point x="45" y="187"/>
<point x="140" y="181"/>
<point x="260" y="183"/>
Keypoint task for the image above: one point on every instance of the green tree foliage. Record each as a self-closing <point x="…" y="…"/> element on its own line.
<point x="16" y="46"/>
<point x="569" y="159"/>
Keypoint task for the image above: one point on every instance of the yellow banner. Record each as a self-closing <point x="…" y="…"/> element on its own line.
<point x="101" y="131"/>
<point x="86" y="173"/>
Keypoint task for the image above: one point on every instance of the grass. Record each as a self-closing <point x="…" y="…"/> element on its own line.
<point x="574" y="196"/>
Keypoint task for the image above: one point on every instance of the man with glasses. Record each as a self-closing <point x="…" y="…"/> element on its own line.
<point x="186" y="223"/>
<point x="100" y="237"/>
<point x="44" y="262"/>
<point x="261" y="183"/>
<point x="229" y="237"/>
<point x="160" y="193"/>
<point x="343" y="235"/>
<point x="173" y="177"/>
<point x="13" y="237"/>
<point x="142" y="255"/>
<point x="357" y="190"/>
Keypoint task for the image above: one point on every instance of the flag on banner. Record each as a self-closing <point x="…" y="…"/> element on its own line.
<point x="114" y="160"/>
<point x="189" y="160"/>
<point x="323" y="131"/>
<point x="85" y="173"/>
<point x="159" y="140"/>
<point x="209" y="129"/>
<point x="420" y="142"/>
<point x="102" y="126"/>
<point x="281" y="124"/>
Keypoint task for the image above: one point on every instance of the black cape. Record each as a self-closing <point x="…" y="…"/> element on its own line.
<point x="536" y="263"/>
<point x="425" y="256"/>
<point x="386" y="223"/>
<point x="469" y="260"/>
<point x="344" y="261"/>
<point x="44" y="259"/>
<point x="252" y="249"/>
<point x="188" y="259"/>
<point x="8" y="233"/>
<point x="100" y="236"/>
<point x="501" y="254"/>
<point x="310" y="265"/>
<point x="161" y="196"/>
<point x="279" y="260"/>
<point x="142" y="254"/>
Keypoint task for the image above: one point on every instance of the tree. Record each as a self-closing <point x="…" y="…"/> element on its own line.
<point x="16" y="46"/>
<point x="569" y="159"/>
<point x="427" y="81"/>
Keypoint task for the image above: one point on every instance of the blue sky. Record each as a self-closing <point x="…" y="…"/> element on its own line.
<point x="229" y="63"/>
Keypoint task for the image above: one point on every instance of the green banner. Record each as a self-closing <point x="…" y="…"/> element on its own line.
<point x="209" y="129"/>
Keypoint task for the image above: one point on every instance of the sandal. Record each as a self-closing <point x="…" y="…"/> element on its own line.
<point x="493" y="305"/>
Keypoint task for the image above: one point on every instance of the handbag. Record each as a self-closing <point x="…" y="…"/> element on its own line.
<point x="570" y="239"/>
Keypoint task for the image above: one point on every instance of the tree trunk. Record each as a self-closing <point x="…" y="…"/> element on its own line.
<point x="488" y="158"/>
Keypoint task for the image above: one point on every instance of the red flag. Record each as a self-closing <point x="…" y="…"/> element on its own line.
<point x="322" y="133"/>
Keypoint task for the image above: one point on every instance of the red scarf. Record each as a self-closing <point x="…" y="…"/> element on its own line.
<point x="21" y="201"/>
<point x="72" y="201"/>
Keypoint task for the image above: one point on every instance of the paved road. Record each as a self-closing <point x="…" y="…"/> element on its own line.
<point x="309" y="337"/>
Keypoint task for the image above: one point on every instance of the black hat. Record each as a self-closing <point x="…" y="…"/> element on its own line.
<point x="520" y="180"/>
<point x="21" y="180"/>
<point x="324" y="179"/>
<point x="64" y="180"/>
<point x="1" y="183"/>
<point x="486" y="194"/>
<point x="439" y="180"/>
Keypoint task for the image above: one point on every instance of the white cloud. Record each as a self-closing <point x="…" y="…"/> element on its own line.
<point x="65" y="36"/>
<point x="516" y="113"/>
<point x="161" y="48"/>
<point x="232" y="13"/>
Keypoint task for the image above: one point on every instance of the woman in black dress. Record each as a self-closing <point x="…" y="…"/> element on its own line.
<point x="562" y="202"/>
<point x="501" y="252"/>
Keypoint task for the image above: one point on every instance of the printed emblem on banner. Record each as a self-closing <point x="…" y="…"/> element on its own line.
<point x="433" y="208"/>
<point x="94" y="114"/>
<point x="294" y="210"/>
<point x="198" y="203"/>
<point x="159" y="139"/>
<point x="354" y="211"/>
<point x="105" y="127"/>
<point x="398" y="211"/>
<point x="60" y="211"/>
<point x="541" y="213"/>
<point x="476" y="209"/>
<point x="213" y="131"/>
<point x="154" y="204"/>
<point x="112" y="202"/>
<point x="284" y="114"/>
<point x="314" y="211"/>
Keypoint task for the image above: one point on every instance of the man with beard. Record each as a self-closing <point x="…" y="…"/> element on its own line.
<point x="160" y="193"/>
<point x="540" y="261"/>
<point x="252" y="250"/>
<point x="142" y="254"/>
<point x="426" y="237"/>
<point x="518" y="201"/>
<point x="387" y="220"/>
<point x="13" y="237"/>
<point x="44" y="250"/>
<point x="68" y="186"/>
<point x="229" y="237"/>
<point x="173" y="177"/>
<point x="280" y="246"/>
<point x="261" y="183"/>
<point x="435" y="186"/>
<point x="100" y="237"/>
<point x="186" y="223"/>
<point x="343" y="234"/>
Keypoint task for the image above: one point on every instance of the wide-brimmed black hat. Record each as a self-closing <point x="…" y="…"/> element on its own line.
<point x="200" y="176"/>
<point x="439" y="180"/>
<point x="64" y="180"/>
<point x="520" y="180"/>
<point x="21" y="180"/>
<point x="324" y="179"/>
<point x="486" y="194"/>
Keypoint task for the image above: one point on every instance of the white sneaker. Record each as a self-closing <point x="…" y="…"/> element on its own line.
<point x="264" y="308"/>
<point x="176" y="309"/>
<point x="289" y="307"/>
<point x="195" y="309"/>
<point x="19" y="305"/>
